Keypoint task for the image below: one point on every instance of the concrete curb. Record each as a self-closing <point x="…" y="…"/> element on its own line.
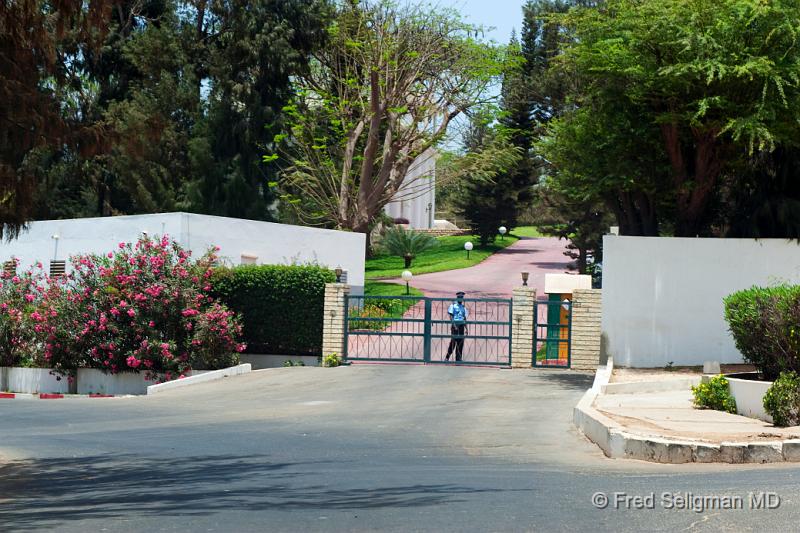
<point x="633" y="387"/>
<point x="200" y="378"/>
<point x="617" y="443"/>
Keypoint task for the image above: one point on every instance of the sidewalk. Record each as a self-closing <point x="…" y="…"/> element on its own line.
<point x="656" y="421"/>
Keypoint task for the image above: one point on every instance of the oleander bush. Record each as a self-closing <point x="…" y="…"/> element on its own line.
<point x="714" y="394"/>
<point x="20" y="297"/>
<point x="281" y="305"/>
<point x="765" y="324"/>
<point x="144" y="308"/>
<point x="782" y="400"/>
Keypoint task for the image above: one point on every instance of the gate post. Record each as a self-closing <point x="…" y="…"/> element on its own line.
<point x="333" y="319"/>
<point x="586" y="332"/>
<point x="523" y="311"/>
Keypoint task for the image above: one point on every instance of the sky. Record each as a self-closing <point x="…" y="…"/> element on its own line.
<point x="503" y="15"/>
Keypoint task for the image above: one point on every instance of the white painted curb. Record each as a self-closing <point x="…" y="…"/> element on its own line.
<point x="200" y="378"/>
<point x="616" y="443"/>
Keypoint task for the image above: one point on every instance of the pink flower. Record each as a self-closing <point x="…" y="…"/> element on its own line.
<point x="110" y="255"/>
<point x="131" y="313"/>
<point x="122" y="245"/>
<point x="152" y="324"/>
<point x="29" y="297"/>
<point x="133" y="362"/>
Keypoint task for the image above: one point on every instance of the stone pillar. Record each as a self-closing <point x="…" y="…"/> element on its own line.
<point x="586" y="332"/>
<point x="333" y="319"/>
<point x="523" y="309"/>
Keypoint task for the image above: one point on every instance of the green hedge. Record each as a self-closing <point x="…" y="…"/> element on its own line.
<point x="281" y="306"/>
<point x="765" y="323"/>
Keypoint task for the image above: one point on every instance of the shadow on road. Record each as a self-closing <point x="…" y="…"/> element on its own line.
<point x="570" y="380"/>
<point x="44" y="493"/>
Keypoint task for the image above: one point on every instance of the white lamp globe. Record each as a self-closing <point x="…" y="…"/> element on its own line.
<point x="406" y="275"/>
<point x="468" y="246"/>
<point x="502" y="230"/>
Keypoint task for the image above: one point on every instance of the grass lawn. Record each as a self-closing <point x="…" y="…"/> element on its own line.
<point x="526" y="231"/>
<point x="449" y="255"/>
<point x="377" y="288"/>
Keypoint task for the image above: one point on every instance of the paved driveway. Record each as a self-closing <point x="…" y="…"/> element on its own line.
<point x="500" y="273"/>
<point x="362" y="448"/>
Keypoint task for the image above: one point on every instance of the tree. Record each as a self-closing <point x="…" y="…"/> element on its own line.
<point x="714" y="78"/>
<point x="188" y="91"/>
<point x="384" y="90"/>
<point x="40" y="84"/>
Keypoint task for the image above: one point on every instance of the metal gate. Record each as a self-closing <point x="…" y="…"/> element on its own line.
<point x="418" y="329"/>
<point x="552" y="333"/>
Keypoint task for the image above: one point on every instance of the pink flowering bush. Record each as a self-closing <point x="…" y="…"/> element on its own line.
<point x="143" y="308"/>
<point x="21" y="298"/>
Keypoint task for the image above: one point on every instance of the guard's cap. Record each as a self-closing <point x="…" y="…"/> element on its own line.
<point x="460" y="294"/>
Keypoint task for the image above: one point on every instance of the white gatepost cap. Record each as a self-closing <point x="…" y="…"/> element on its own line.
<point x="566" y="283"/>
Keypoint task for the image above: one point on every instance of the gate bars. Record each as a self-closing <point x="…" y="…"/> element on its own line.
<point x="417" y="329"/>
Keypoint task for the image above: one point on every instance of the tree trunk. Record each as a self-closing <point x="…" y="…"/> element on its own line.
<point x="408" y="258"/>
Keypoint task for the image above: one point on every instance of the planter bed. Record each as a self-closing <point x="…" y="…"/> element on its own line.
<point x="748" y="391"/>
<point x="89" y="381"/>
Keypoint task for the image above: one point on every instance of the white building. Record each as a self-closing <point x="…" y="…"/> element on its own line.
<point x="416" y="199"/>
<point x="240" y="241"/>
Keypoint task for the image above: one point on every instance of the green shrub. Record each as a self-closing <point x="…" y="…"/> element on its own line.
<point x="714" y="394"/>
<point x="281" y="306"/>
<point x="765" y="324"/>
<point x="331" y="360"/>
<point x="289" y="362"/>
<point x="406" y="243"/>
<point x="782" y="400"/>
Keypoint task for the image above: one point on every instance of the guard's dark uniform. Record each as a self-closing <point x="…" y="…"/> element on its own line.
<point x="458" y="327"/>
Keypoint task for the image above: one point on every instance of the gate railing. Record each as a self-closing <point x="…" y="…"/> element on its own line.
<point x="418" y="329"/>
<point x="552" y="334"/>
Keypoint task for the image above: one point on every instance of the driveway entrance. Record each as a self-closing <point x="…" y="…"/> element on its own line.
<point x="419" y="329"/>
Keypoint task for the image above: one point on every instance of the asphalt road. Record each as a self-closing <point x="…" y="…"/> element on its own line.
<point x="364" y="448"/>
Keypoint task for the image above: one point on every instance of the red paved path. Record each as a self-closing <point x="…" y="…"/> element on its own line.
<point x="500" y="273"/>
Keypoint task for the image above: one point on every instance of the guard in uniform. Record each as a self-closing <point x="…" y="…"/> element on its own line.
<point x="458" y="326"/>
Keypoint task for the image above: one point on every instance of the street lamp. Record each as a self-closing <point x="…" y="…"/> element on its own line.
<point x="524" y="279"/>
<point x="406" y="275"/>
<point x="338" y="272"/>
<point x="502" y="230"/>
<point x="468" y="247"/>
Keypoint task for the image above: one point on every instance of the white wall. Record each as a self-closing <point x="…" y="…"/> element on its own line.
<point x="271" y="243"/>
<point x="662" y="297"/>
<point x="416" y="199"/>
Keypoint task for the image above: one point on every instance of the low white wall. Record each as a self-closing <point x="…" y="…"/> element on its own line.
<point x="662" y="297"/>
<point x="270" y="243"/>
<point x="93" y="381"/>
<point x="34" y="380"/>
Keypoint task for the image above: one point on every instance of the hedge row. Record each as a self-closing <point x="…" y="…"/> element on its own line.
<point x="281" y="306"/>
<point x="765" y="324"/>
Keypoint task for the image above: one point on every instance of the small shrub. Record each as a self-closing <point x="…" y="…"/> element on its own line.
<point x="406" y="243"/>
<point x="289" y="362"/>
<point x="782" y="400"/>
<point x="714" y="394"/>
<point x="765" y="324"/>
<point x="369" y="310"/>
<point x="331" y="360"/>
